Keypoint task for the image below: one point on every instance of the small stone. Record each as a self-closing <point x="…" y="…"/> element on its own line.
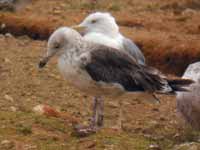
<point x="9" y="98"/>
<point x="46" y="110"/>
<point x="177" y="135"/>
<point x="153" y="123"/>
<point x="28" y="8"/>
<point x="6" y="60"/>
<point x="8" y="35"/>
<point x="30" y="147"/>
<point x="154" y="147"/>
<point x="158" y="137"/>
<point x="3" y="25"/>
<point x="13" y="109"/>
<point x="113" y="104"/>
<point x="148" y="136"/>
<point x="189" y="12"/>
<point x="55" y="76"/>
<point x="39" y="109"/>
<point x="88" y="144"/>
<point x="62" y="5"/>
<point x="6" y="144"/>
<point x="56" y="12"/>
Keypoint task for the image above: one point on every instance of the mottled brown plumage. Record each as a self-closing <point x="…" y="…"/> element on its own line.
<point x="113" y="66"/>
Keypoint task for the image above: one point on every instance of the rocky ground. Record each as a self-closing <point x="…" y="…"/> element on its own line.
<point x="23" y="86"/>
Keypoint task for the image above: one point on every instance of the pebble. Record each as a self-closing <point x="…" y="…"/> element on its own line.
<point x="39" y="109"/>
<point x="63" y="5"/>
<point x="30" y="147"/>
<point x="8" y="35"/>
<point x="154" y="147"/>
<point x="6" y="144"/>
<point x="55" y="76"/>
<point x="3" y="25"/>
<point x="9" y="98"/>
<point x="113" y="104"/>
<point x="153" y="123"/>
<point x="57" y="12"/>
<point x="189" y="12"/>
<point x="6" y="60"/>
<point x="13" y="109"/>
<point x="46" y="110"/>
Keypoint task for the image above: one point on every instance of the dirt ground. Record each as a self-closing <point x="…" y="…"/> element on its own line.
<point x="24" y="86"/>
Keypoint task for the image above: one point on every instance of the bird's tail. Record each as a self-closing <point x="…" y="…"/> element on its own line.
<point x="165" y="84"/>
<point x="179" y="84"/>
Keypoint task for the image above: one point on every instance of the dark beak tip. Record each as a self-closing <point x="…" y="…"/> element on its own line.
<point x="41" y="64"/>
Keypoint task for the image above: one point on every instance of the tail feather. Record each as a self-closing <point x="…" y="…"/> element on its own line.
<point x="152" y="80"/>
<point x="180" y="81"/>
<point x="179" y="84"/>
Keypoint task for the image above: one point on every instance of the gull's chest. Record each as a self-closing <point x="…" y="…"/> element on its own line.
<point x="73" y="73"/>
<point x="68" y="68"/>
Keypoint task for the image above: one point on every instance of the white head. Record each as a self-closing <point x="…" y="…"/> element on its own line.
<point x="101" y="23"/>
<point x="61" y="40"/>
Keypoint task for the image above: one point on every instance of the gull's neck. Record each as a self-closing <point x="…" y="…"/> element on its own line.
<point x="110" y="34"/>
<point x="104" y="39"/>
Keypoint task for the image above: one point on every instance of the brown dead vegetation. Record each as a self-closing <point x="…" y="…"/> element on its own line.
<point x="36" y="29"/>
<point x="170" y="52"/>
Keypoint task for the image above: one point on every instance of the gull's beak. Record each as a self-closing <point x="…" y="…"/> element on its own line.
<point x="79" y="28"/>
<point x="43" y="62"/>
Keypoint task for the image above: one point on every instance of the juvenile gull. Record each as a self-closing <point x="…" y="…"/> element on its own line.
<point x="100" y="70"/>
<point x="102" y="28"/>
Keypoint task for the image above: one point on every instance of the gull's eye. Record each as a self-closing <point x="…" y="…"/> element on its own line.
<point x="93" y="21"/>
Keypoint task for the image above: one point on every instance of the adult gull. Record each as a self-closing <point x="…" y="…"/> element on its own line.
<point x="100" y="70"/>
<point x="102" y="28"/>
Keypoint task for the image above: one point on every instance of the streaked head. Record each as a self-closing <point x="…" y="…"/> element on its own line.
<point x="99" y="22"/>
<point x="62" y="39"/>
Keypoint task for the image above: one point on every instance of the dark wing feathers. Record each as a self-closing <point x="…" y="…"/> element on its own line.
<point x="112" y="66"/>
